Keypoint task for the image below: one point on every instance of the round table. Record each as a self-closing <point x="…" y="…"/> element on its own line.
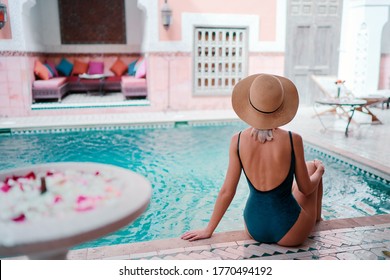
<point x="352" y="104"/>
<point x="52" y="237"/>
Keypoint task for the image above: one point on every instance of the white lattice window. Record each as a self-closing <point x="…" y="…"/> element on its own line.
<point x="220" y="57"/>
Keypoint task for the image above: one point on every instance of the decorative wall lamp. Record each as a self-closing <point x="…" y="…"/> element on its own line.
<point x="3" y="15"/>
<point x="166" y="15"/>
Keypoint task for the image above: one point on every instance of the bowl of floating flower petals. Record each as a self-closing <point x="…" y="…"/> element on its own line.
<point x="59" y="205"/>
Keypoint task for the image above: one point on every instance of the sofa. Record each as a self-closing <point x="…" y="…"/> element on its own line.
<point x="54" y="81"/>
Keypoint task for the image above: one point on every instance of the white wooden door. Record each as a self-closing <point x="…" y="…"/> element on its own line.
<point x="312" y="43"/>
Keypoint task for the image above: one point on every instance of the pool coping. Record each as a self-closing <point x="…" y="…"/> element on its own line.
<point x="164" y="247"/>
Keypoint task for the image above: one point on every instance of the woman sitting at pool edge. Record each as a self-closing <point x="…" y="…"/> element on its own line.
<point x="279" y="209"/>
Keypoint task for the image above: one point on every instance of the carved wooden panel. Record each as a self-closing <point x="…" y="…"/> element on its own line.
<point x="92" y="21"/>
<point x="220" y="59"/>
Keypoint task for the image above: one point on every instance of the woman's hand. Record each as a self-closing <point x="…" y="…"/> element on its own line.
<point x="319" y="165"/>
<point x="196" y="235"/>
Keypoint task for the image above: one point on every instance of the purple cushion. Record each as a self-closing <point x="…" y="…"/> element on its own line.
<point x="95" y="67"/>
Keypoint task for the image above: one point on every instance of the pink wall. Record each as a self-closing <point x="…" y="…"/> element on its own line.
<point x="265" y="9"/>
<point x="171" y="80"/>
<point x="6" y="33"/>
<point x="15" y="89"/>
<point x="169" y="76"/>
<point x="384" y="72"/>
<point x="169" y="84"/>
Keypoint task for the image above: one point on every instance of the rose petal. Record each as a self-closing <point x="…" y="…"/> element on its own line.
<point x="57" y="199"/>
<point x="30" y="175"/>
<point x="81" y="198"/>
<point x="19" y="218"/>
<point x="5" y="187"/>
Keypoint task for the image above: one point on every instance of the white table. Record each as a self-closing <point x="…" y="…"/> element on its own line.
<point x="51" y="238"/>
<point x="351" y="106"/>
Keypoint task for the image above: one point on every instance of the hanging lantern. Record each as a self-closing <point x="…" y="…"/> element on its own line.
<point x="166" y="15"/>
<point x="3" y="15"/>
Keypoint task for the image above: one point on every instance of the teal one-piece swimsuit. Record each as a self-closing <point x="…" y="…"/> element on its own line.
<point x="269" y="215"/>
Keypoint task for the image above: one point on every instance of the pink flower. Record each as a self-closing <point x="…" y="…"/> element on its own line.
<point x="30" y="176"/>
<point x="57" y="199"/>
<point x="85" y="203"/>
<point x="19" y="218"/>
<point x="338" y="82"/>
<point x="5" y="187"/>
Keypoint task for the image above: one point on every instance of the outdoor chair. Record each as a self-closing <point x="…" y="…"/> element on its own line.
<point x="335" y="89"/>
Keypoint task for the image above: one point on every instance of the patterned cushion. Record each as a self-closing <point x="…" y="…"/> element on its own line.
<point x="52" y="67"/>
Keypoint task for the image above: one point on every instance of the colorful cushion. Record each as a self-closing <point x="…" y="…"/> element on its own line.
<point x="41" y="71"/>
<point x="131" y="69"/>
<point x="141" y="70"/>
<point x="79" y="67"/>
<point x="65" y="67"/>
<point x="119" y="67"/>
<point x="95" y="67"/>
<point x="50" y="84"/>
<point x="51" y="74"/>
<point x="52" y="68"/>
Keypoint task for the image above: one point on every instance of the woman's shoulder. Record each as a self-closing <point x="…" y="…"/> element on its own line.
<point x="295" y="136"/>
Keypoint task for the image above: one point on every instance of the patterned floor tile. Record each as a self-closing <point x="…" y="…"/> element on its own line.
<point x="241" y="251"/>
<point x="225" y="255"/>
<point x="346" y="256"/>
<point x="365" y="255"/>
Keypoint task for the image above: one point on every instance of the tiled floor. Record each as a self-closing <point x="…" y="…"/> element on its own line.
<point x="355" y="238"/>
<point x="359" y="238"/>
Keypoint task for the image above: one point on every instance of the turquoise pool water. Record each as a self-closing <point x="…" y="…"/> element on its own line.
<point x="186" y="166"/>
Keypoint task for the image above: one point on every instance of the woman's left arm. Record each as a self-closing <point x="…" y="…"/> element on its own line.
<point x="225" y="196"/>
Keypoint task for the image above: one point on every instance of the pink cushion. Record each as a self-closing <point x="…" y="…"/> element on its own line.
<point x="95" y="67"/>
<point x="129" y="81"/>
<point x="141" y="69"/>
<point x="49" y="84"/>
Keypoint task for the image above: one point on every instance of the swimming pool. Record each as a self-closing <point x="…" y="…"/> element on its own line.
<point x="186" y="166"/>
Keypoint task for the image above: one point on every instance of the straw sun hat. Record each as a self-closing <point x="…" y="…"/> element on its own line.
<point x="265" y="101"/>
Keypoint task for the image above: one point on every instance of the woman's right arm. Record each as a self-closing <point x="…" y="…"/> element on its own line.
<point x="225" y="196"/>
<point x="306" y="184"/>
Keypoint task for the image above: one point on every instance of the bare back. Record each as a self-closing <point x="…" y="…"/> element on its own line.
<point x="266" y="164"/>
